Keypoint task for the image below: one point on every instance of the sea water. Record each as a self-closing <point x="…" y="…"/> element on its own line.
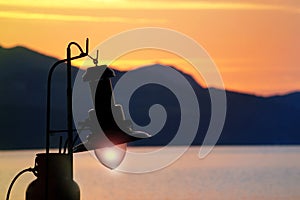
<point x="228" y="172"/>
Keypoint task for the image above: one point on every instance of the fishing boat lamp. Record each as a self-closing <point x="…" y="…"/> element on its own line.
<point x="109" y="134"/>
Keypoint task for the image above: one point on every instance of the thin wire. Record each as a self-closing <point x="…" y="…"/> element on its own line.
<point x="15" y="178"/>
<point x="95" y="60"/>
<point x="65" y="146"/>
<point x="75" y="139"/>
<point x="60" y="144"/>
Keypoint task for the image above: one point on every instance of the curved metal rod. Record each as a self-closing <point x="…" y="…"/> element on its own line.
<point x="79" y="47"/>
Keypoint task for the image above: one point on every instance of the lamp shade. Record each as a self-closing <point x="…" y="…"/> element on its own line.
<point x="106" y="121"/>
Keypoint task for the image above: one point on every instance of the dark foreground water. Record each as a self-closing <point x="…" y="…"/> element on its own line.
<point x="227" y="173"/>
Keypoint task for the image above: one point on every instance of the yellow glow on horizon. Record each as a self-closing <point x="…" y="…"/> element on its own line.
<point x="150" y="5"/>
<point x="146" y="57"/>
<point x="83" y="18"/>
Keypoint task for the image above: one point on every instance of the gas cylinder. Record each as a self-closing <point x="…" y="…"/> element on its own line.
<point x="54" y="179"/>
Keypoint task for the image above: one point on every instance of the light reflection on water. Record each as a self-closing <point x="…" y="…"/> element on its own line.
<point x="227" y="173"/>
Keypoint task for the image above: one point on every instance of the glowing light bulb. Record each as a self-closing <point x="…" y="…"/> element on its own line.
<point x="111" y="157"/>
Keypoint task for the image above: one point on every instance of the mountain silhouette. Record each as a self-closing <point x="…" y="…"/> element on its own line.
<point x="23" y="80"/>
<point x="250" y="120"/>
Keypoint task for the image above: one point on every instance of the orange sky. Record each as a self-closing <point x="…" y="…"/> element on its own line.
<point x="255" y="44"/>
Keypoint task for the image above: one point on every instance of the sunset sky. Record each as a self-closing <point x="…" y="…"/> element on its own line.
<point x="255" y="44"/>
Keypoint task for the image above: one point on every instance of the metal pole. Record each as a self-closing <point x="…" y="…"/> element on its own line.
<point x="69" y="109"/>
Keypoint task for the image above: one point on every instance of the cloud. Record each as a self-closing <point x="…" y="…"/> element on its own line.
<point x="75" y="18"/>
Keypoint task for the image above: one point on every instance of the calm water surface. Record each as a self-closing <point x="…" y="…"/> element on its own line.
<point x="227" y="173"/>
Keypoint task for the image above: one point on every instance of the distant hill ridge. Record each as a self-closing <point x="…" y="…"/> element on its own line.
<point x="251" y="120"/>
